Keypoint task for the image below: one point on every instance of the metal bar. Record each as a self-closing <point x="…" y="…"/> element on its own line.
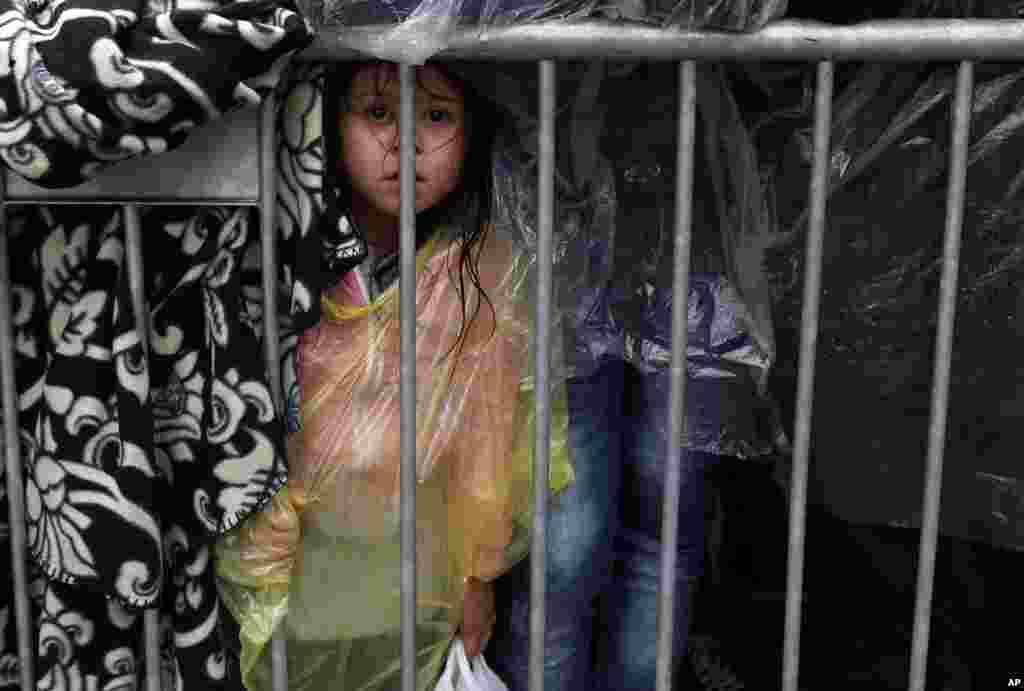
<point x="407" y="310"/>
<point x="809" y="324"/>
<point x="271" y="333"/>
<point x="687" y="119"/>
<point x="217" y="164"/>
<point x="268" y="247"/>
<point x="916" y="40"/>
<point x="140" y="310"/>
<point x="136" y="272"/>
<point x="13" y="465"/>
<point x="542" y="350"/>
<point x="41" y="200"/>
<point x="943" y="365"/>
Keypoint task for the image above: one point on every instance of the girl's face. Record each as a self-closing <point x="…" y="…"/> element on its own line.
<point x="369" y="134"/>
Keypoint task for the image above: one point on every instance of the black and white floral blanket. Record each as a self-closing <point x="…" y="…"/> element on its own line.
<point x="84" y="83"/>
<point x="134" y="465"/>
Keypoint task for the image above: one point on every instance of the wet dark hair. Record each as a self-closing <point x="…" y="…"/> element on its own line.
<point x="467" y="209"/>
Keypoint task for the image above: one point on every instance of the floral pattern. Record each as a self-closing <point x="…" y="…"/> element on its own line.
<point x="162" y="454"/>
<point x="83" y="85"/>
<point x="135" y="462"/>
<point x="89" y="441"/>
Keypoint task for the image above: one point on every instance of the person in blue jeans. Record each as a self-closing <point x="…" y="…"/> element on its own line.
<point x="604" y="532"/>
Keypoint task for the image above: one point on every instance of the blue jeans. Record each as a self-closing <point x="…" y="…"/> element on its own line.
<point x="605" y="531"/>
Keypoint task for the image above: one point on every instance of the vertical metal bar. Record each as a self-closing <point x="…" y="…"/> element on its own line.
<point x="136" y="271"/>
<point x="809" y="323"/>
<point x="268" y="247"/>
<point x="140" y="310"/>
<point x="686" y="128"/>
<point x="542" y="349"/>
<point x="13" y="461"/>
<point x="940" y="381"/>
<point x="271" y="335"/>
<point x="407" y="310"/>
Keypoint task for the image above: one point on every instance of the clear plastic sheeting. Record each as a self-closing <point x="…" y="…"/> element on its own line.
<point x="585" y="195"/>
<point x="615" y="200"/>
<point x="340" y="514"/>
<point x="614" y="229"/>
<point x="722" y="15"/>
<point x="730" y="342"/>
<point x="411" y="31"/>
<point x="321" y="564"/>
<point x="888" y="179"/>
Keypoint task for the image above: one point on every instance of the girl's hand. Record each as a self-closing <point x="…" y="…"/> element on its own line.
<point x="478" y="616"/>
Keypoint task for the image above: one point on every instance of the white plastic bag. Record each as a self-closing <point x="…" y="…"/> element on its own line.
<point x="462" y="674"/>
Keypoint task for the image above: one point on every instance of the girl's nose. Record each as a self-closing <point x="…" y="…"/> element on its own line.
<point x="396" y="142"/>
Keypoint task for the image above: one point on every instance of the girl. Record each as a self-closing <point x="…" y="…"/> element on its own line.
<point x="328" y="546"/>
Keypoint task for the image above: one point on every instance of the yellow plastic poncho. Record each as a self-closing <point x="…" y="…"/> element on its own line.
<point x="322" y="561"/>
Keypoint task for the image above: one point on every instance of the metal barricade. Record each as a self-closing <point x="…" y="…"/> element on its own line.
<point x="231" y="164"/>
<point x="961" y="40"/>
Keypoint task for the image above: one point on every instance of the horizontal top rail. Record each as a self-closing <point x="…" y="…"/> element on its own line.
<point x="217" y="164"/>
<point x="910" y="40"/>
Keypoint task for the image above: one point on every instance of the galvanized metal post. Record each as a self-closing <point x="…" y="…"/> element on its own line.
<point x="809" y="324"/>
<point x="13" y="465"/>
<point x="271" y="330"/>
<point x="942" y="367"/>
<point x="140" y="311"/>
<point x="912" y="40"/>
<point x="686" y="123"/>
<point x="407" y="310"/>
<point x="542" y="387"/>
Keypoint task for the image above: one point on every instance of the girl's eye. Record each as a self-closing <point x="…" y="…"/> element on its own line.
<point x="378" y="113"/>
<point x="438" y="115"/>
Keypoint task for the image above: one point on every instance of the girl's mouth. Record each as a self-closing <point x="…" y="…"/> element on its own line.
<point x="393" y="177"/>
